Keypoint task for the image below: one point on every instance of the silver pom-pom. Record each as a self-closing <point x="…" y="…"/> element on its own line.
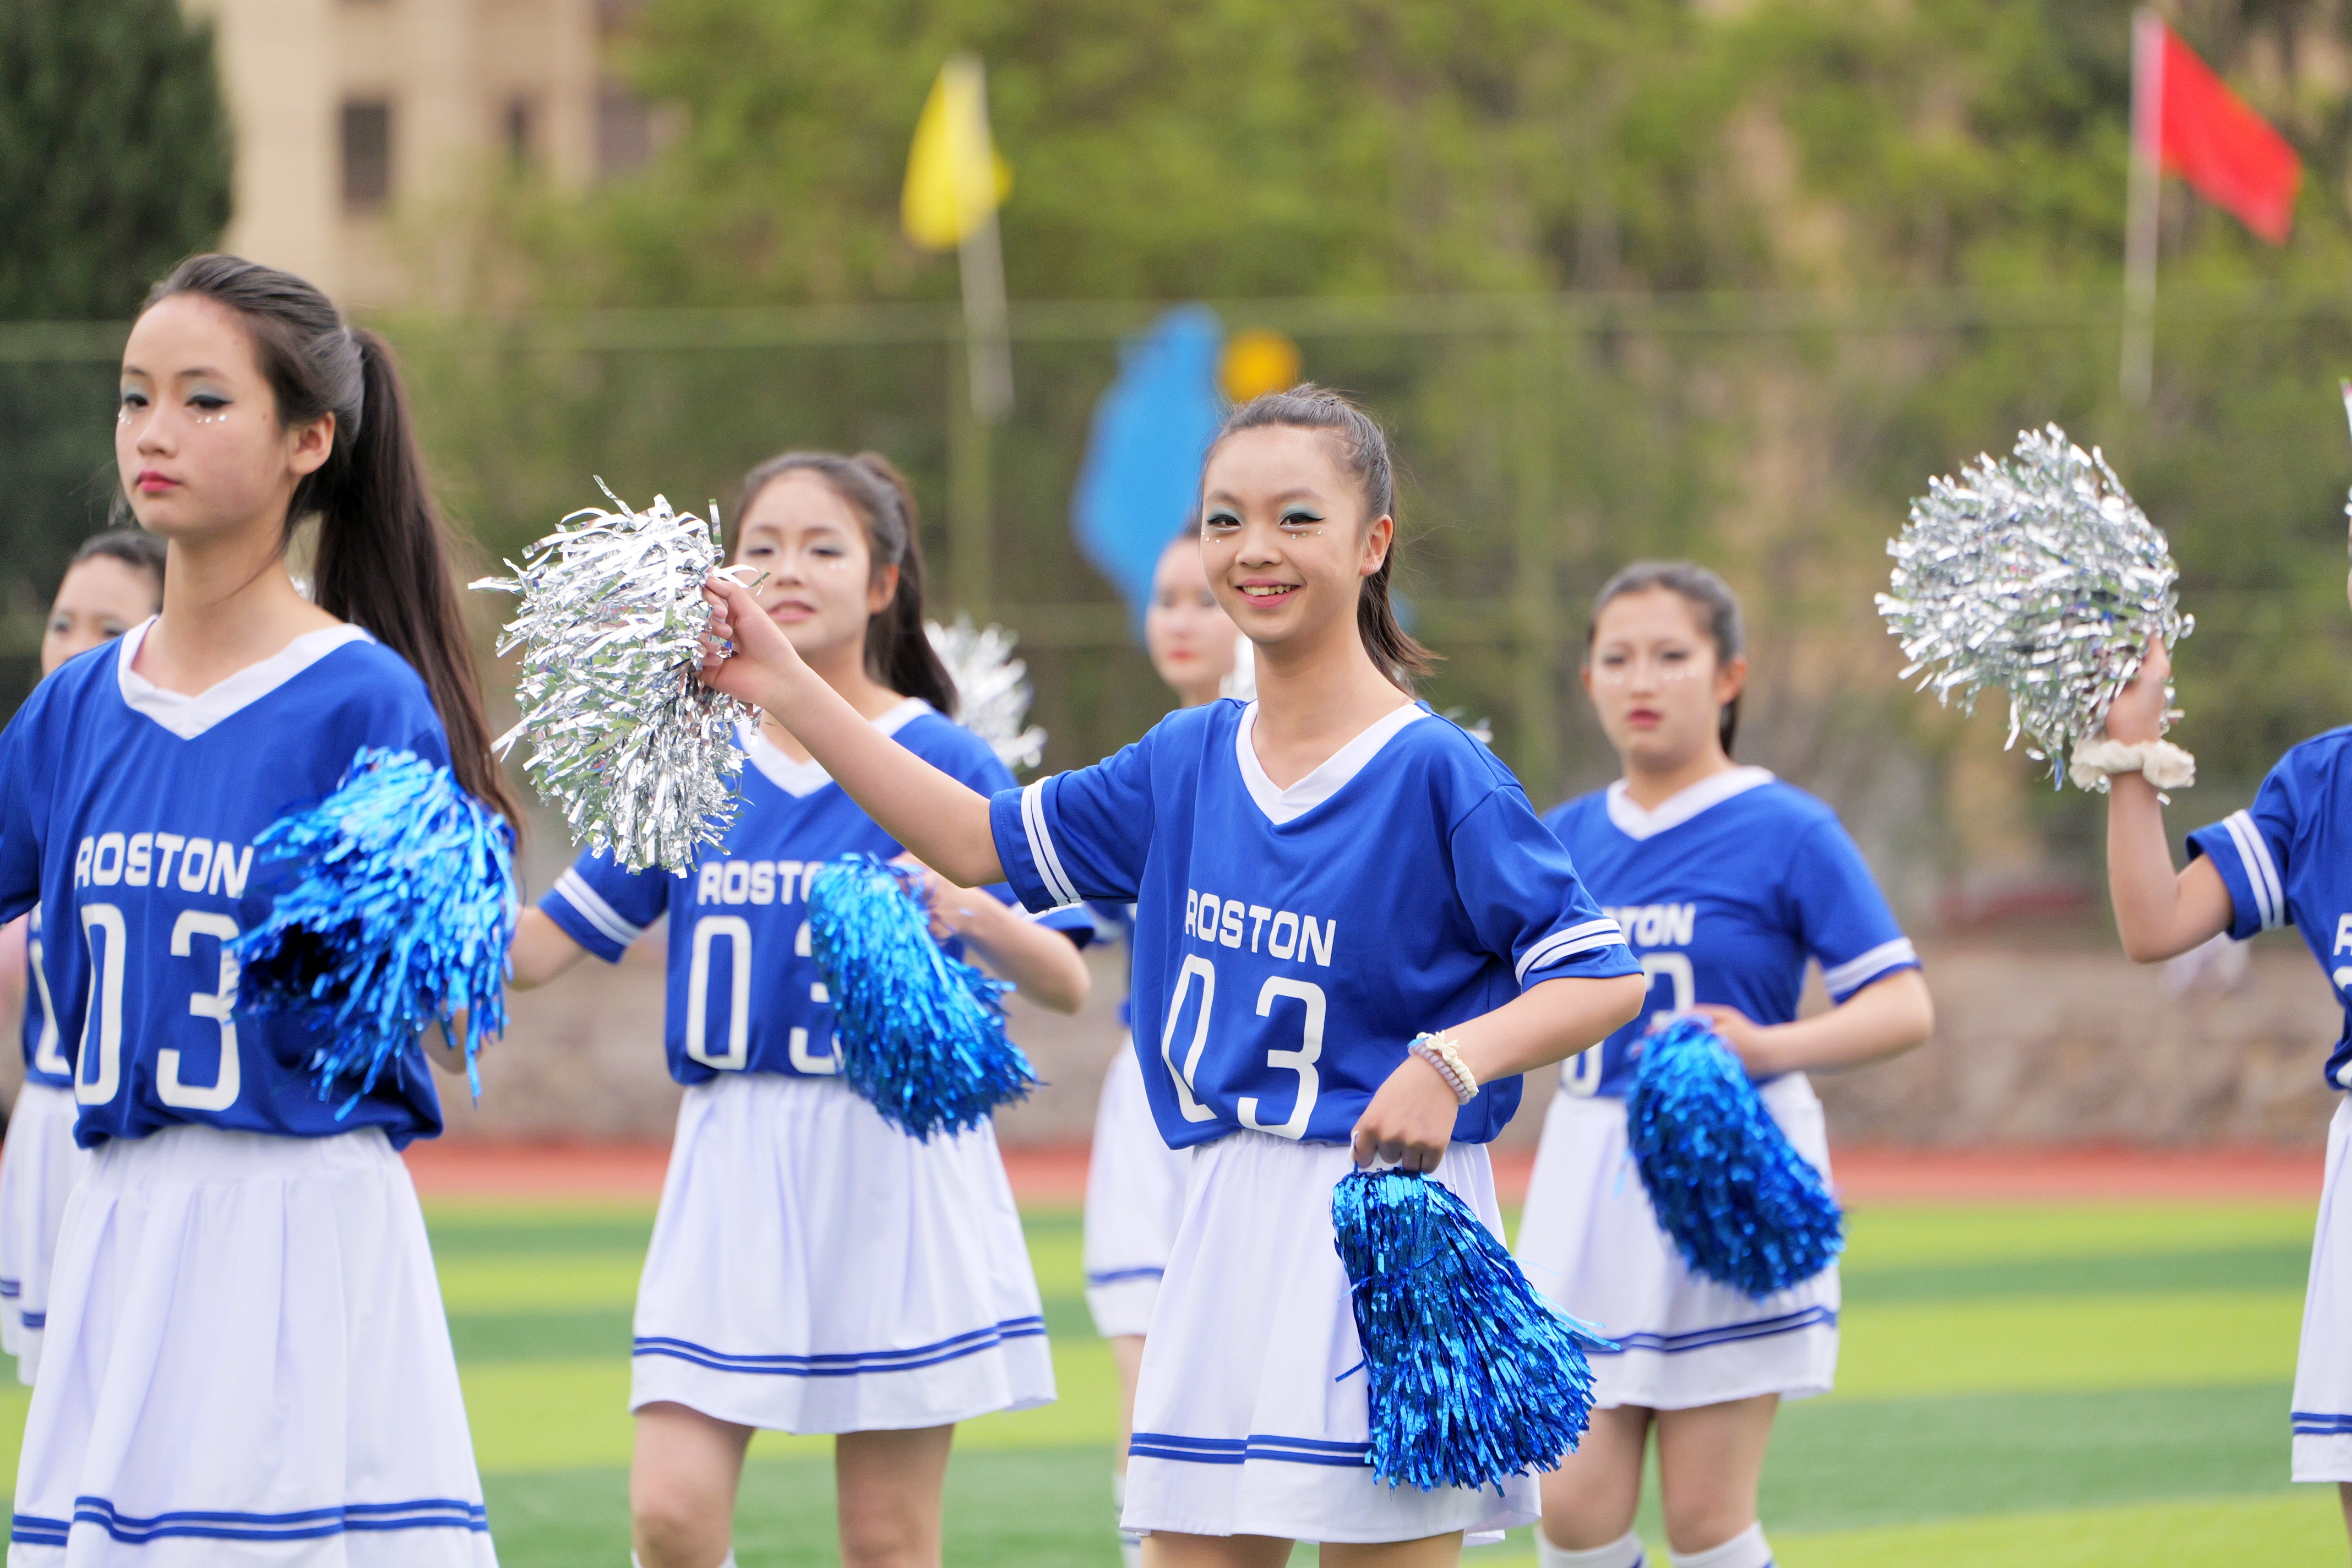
<point x="991" y="688"/>
<point x="627" y="740"/>
<point x="2039" y="575"/>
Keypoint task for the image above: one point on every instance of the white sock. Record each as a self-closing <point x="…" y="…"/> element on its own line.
<point x="1747" y="1549"/>
<point x="1624" y="1552"/>
<point x="636" y="1562"/>
<point x="1131" y="1542"/>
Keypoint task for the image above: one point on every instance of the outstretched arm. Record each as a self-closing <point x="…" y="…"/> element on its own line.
<point x="2158" y="912"/>
<point x="942" y="821"/>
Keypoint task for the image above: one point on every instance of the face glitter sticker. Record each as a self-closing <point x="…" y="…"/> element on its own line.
<point x="627" y="740"/>
<point x="2036" y="574"/>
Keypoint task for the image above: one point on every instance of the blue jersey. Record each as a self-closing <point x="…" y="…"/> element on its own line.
<point x="1723" y="893"/>
<point x="744" y="994"/>
<point x="2287" y="861"/>
<point x="1289" y="943"/>
<point x="44" y="1058"/>
<point x="129" y="813"/>
<point x="1115" y="923"/>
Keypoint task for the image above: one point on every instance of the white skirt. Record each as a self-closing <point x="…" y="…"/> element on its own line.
<point x="1135" y="1200"/>
<point x="814" y="1271"/>
<point x="39" y="1165"/>
<point x="1245" y="1424"/>
<point x="247" y="1361"/>
<point x="2322" y="1416"/>
<point x="1590" y="1241"/>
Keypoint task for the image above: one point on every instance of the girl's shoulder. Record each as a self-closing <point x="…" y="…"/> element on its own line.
<point x="358" y="676"/>
<point x="946" y="745"/>
<point x="1576" y="813"/>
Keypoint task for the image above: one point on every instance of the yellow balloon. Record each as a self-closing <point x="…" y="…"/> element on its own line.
<point x="1257" y="362"/>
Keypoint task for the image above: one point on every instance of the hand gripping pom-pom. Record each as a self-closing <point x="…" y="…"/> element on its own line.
<point x="1742" y="1206"/>
<point x="922" y="1035"/>
<point x="1474" y="1376"/>
<point x="399" y="915"/>
<point x="991" y="688"/>
<point x="2038" y="575"/>
<point x="625" y="739"/>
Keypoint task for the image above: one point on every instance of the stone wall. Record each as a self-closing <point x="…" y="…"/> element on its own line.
<point x="2052" y="1040"/>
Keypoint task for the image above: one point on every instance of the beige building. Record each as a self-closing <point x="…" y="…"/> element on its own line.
<point x="356" y="119"/>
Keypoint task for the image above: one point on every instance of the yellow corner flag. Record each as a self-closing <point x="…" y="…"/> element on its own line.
<point x="954" y="178"/>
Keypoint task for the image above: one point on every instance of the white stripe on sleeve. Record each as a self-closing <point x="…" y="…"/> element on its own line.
<point x="1041" y="844"/>
<point x="594" y="910"/>
<point x="1568" y="943"/>
<point x="1856" y="973"/>
<point x="2261" y="872"/>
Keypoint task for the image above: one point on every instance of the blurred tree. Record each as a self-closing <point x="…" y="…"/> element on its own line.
<point x="114" y="163"/>
<point x="1947" y="175"/>
<point x="114" y="153"/>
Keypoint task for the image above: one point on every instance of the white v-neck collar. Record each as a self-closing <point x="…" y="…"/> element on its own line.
<point x="189" y="717"/>
<point x="801" y="780"/>
<point x="1282" y="805"/>
<point x="1635" y="823"/>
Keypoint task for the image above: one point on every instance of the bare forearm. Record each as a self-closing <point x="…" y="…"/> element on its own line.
<point x="1548" y="1023"/>
<point x="943" y="822"/>
<point x="2158" y="912"/>
<point x="540" y="950"/>
<point x="1882" y="1019"/>
<point x="1042" y="962"/>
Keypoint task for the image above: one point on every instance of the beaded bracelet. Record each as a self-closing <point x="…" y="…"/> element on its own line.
<point x="1438" y="1052"/>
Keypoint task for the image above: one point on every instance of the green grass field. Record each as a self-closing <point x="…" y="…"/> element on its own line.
<point x="2089" y="1388"/>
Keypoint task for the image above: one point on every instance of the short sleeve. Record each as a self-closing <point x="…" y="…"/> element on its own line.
<point x="1080" y="835"/>
<point x="1524" y="899"/>
<point x="1072" y="920"/>
<point x="2250" y="848"/>
<point x="603" y="906"/>
<point x="1842" y="915"/>
<point x="20" y="845"/>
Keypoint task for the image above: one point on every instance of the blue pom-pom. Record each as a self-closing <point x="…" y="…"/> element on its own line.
<point x="922" y="1035"/>
<point x="1474" y="1376"/>
<point x="1743" y="1206"/>
<point x="400" y="912"/>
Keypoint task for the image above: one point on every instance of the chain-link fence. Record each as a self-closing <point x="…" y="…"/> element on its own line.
<point x="1543" y="441"/>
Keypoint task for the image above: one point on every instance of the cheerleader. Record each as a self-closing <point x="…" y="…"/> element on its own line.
<point x="813" y="1269"/>
<point x="1135" y="1182"/>
<point x="114" y="582"/>
<point x="246" y="1345"/>
<point x="2279" y="862"/>
<point x="1351" y="936"/>
<point x="1725" y="881"/>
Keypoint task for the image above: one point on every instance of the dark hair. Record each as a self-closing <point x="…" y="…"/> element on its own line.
<point x="135" y="547"/>
<point x="898" y="651"/>
<point x="383" y="552"/>
<point x="1710" y="596"/>
<point x="1363" y="455"/>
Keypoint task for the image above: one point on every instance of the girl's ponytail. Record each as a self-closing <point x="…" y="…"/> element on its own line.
<point x="383" y="552"/>
<point x="897" y="648"/>
<point x="382" y="562"/>
<point x="898" y="651"/>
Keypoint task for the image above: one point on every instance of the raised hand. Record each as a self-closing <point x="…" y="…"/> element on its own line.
<point x="2138" y="712"/>
<point x="744" y="653"/>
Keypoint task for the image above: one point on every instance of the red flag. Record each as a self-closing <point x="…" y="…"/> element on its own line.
<point x="2205" y="133"/>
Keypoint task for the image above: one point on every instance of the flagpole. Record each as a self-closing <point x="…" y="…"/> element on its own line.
<point x="2141" y="208"/>
<point x="987" y="321"/>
